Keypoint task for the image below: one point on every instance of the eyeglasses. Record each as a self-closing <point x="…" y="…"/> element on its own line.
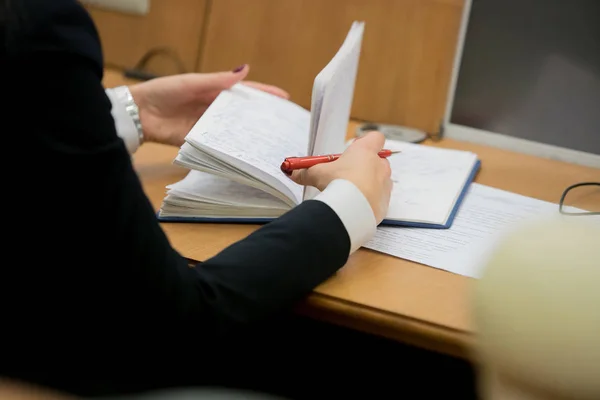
<point x="575" y="194"/>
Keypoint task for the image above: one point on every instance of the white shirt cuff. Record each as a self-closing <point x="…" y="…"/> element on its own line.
<point x="123" y="122"/>
<point x="352" y="208"/>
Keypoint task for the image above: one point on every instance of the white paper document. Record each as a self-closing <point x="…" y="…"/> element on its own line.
<point x="485" y="216"/>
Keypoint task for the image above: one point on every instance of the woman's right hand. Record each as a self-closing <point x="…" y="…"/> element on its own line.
<point x="361" y="165"/>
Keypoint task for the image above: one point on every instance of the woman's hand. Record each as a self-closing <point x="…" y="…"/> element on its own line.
<point x="170" y="106"/>
<point x="361" y="165"/>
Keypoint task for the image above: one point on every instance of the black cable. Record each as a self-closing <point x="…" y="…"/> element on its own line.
<point x="564" y="195"/>
<point x="138" y="72"/>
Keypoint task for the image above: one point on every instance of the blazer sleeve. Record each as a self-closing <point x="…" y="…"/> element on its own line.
<point x="92" y="221"/>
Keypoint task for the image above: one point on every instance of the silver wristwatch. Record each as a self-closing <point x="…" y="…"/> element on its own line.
<point x="126" y="97"/>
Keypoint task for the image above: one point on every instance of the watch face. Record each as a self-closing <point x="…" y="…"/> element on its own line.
<point x="393" y="132"/>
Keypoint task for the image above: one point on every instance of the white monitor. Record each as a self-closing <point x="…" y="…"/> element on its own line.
<point x="527" y="78"/>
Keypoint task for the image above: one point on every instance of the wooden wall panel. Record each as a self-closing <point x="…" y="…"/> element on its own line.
<point x="176" y="24"/>
<point x="405" y="65"/>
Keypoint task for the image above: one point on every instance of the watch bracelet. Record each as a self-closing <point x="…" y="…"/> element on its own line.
<point x="132" y="109"/>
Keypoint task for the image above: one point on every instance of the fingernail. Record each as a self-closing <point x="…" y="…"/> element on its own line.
<point x="238" y="69"/>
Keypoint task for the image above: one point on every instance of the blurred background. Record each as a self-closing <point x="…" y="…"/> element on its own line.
<point x="407" y="53"/>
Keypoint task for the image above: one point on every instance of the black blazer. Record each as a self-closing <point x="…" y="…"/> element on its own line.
<point x="95" y="293"/>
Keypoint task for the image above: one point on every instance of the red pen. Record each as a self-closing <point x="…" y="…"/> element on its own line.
<point x="293" y="163"/>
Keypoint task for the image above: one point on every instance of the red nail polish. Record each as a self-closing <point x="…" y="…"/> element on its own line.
<point x="238" y="69"/>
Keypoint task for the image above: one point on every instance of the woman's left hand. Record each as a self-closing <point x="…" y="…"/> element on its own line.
<point x="170" y="106"/>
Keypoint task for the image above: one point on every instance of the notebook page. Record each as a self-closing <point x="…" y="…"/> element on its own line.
<point x="332" y="96"/>
<point x="485" y="216"/>
<point x="335" y="93"/>
<point x="208" y="188"/>
<point x="254" y="131"/>
<point x="427" y="181"/>
<point x="315" y="113"/>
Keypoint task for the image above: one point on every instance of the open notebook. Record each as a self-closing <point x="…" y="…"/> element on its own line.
<point x="235" y="150"/>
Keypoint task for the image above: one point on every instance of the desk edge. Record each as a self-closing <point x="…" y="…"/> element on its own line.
<point x="391" y="326"/>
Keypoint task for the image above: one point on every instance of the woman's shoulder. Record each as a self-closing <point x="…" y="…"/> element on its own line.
<point x="34" y="26"/>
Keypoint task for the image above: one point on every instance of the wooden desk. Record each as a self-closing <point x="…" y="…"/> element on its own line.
<point x="374" y="292"/>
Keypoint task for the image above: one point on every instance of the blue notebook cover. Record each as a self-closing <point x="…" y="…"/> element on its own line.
<point x="385" y="222"/>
